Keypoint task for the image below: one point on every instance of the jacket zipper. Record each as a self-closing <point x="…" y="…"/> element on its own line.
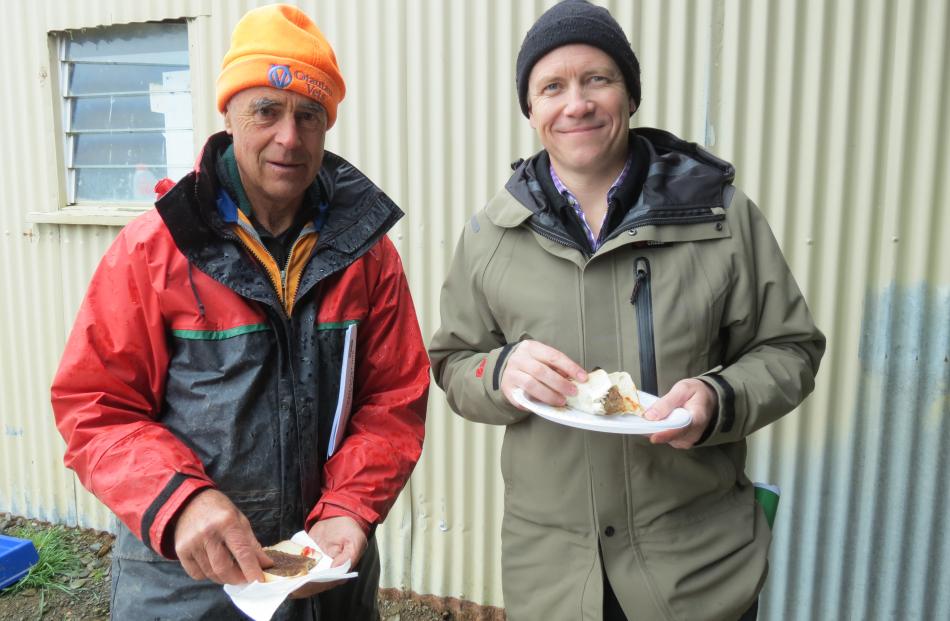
<point x="642" y="300"/>
<point x="552" y="236"/>
<point x="259" y="255"/>
<point x="289" y="304"/>
<point x="259" y="251"/>
<point x="282" y="329"/>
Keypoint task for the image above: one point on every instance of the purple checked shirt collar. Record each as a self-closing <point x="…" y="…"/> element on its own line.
<point x="576" y="206"/>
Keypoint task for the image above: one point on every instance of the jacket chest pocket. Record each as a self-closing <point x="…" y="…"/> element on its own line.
<point x="676" y="304"/>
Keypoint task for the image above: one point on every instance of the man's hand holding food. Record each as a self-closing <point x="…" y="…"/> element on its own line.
<point x="342" y="539"/>
<point x="214" y="541"/>
<point x="545" y="374"/>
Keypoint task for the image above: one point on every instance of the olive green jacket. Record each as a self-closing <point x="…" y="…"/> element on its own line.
<point x="690" y="284"/>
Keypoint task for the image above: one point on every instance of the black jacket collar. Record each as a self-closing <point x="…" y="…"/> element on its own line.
<point x="675" y="182"/>
<point x="359" y="215"/>
<point x="617" y="208"/>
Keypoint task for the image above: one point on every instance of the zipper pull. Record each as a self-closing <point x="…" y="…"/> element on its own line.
<point x="642" y="275"/>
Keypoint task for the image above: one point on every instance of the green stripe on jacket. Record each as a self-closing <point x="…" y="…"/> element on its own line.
<point x="337" y="325"/>
<point x="220" y="335"/>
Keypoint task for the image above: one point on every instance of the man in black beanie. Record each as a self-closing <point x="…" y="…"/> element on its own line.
<point x="628" y="250"/>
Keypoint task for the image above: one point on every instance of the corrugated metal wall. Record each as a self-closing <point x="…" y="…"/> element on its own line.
<point x="834" y="113"/>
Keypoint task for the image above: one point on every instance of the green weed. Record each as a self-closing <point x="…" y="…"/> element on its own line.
<point x="57" y="558"/>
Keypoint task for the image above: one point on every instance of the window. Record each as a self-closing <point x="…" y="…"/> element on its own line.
<point x="126" y="110"/>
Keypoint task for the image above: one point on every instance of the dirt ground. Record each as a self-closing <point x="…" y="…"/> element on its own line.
<point x="82" y="594"/>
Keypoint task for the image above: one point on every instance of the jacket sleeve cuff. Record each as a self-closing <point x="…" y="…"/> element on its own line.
<point x="710" y="427"/>
<point x="158" y="522"/>
<point x="722" y="425"/>
<point x="495" y="364"/>
<point x="325" y="510"/>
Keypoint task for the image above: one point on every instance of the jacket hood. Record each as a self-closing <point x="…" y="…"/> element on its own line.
<point x="358" y="215"/>
<point x="359" y="210"/>
<point x="684" y="184"/>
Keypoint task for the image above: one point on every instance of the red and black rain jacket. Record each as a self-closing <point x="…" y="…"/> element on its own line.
<point x="193" y="363"/>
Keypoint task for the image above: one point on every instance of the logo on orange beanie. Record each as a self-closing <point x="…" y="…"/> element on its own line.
<point x="279" y="76"/>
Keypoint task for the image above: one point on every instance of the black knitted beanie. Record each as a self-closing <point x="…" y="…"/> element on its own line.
<point x="576" y="21"/>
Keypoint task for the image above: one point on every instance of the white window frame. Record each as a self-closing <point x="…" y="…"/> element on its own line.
<point x="57" y="210"/>
<point x="70" y="135"/>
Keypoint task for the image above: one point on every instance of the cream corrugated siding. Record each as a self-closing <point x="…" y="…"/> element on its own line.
<point x="835" y="129"/>
<point x="834" y="113"/>
<point x="32" y="479"/>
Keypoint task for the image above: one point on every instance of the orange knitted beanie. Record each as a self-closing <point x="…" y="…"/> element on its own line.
<point x="279" y="46"/>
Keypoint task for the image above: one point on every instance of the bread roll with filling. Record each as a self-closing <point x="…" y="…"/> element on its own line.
<point x="291" y="560"/>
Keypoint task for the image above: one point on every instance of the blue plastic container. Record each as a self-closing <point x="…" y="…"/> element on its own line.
<point x="16" y="558"/>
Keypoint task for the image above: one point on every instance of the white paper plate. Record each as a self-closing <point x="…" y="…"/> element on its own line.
<point x="627" y="423"/>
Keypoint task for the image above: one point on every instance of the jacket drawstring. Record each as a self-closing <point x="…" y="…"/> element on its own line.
<point x="194" y="291"/>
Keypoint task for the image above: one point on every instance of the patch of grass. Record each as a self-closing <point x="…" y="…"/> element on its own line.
<point x="57" y="558"/>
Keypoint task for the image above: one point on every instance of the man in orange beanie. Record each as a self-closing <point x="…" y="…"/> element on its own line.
<point x="247" y="362"/>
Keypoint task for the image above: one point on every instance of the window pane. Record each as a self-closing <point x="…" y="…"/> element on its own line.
<point x="118" y="184"/>
<point x="131" y="149"/>
<point x="96" y="79"/>
<point x="128" y="109"/>
<point x="158" y="111"/>
<point x="176" y="106"/>
<point x="115" y="113"/>
<point x="165" y="43"/>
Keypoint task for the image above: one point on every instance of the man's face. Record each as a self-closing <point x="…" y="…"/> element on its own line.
<point x="278" y="143"/>
<point x="578" y="103"/>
